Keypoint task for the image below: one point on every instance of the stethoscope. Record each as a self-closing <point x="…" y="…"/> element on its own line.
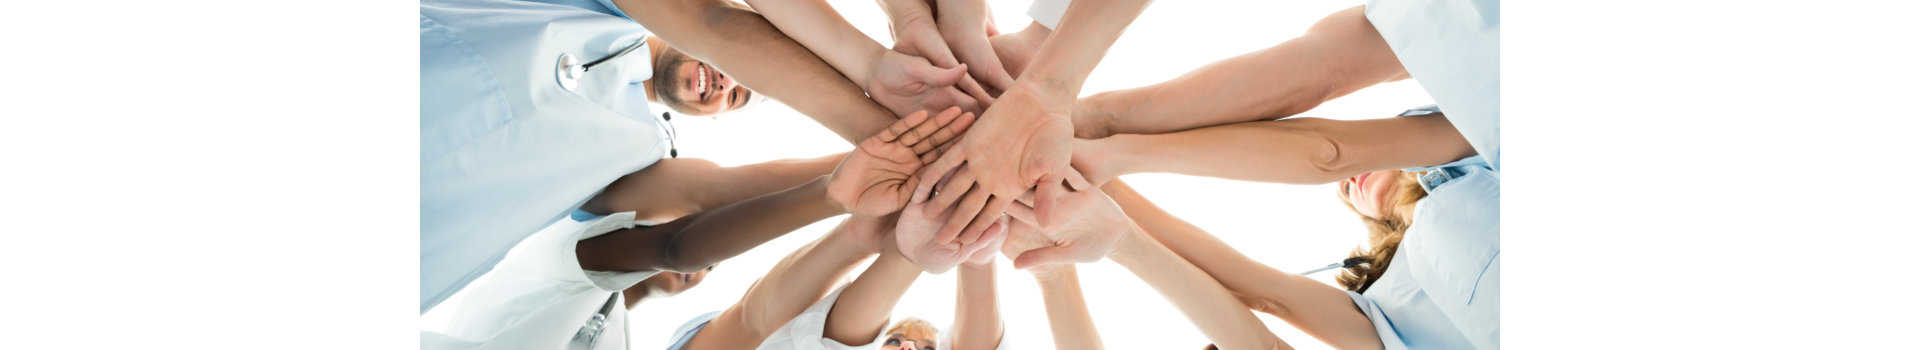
<point x="569" y="71"/>
<point x="1343" y="264"/>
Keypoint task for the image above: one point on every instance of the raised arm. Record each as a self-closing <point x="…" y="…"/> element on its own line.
<point x="862" y="311"/>
<point x="1294" y="151"/>
<point x="798" y="281"/>
<point x="1023" y="140"/>
<point x="1067" y="312"/>
<point x="976" y="312"/>
<point x="871" y="181"/>
<point x="743" y="44"/>
<point x="1337" y="56"/>
<point x="677" y="187"/>
<point x="1211" y="308"/>
<point x="899" y="82"/>
<point x="1317" y="309"/>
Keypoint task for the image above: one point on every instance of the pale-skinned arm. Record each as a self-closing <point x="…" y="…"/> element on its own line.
<point x="796" y="282"/>
<point x="1337" y="56"/>
<point x="865" y="305"/>
<point x="1317" y="309"/>
<point x="741" y="43"/>
<point x="1293" y="151"/>
<point x="1067" y="313"/>
<point x="976" y="314"/>
<point x="899" y="82"/>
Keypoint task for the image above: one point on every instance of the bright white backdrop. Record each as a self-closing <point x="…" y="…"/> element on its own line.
<point x="1290" y="227"/>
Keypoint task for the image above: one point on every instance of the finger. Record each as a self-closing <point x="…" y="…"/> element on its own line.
<point x="963" y="214"/>
<point x="958" y="185"/>
<point x="942" y="167"/>
<point x="943" y="139"/>
<point x="960" y="99"/>
<point x="990" y="239"/>
<point x="1044" y="197"/>
<point x="944" y="133"/>
<point x="972" y="87"/>
<point x="901" y="126"/>
<point x="1021" y="212"/>
<point x="1043" y="256"/>
<point x="925" y="128"/>
<point x="936" y="76"/>
<point x="938" y="153"/>
<point x="995" y="210"/>
<point x="1075" y="180"/>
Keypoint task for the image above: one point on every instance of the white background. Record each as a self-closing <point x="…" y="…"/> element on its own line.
<point x="241" y="175"/>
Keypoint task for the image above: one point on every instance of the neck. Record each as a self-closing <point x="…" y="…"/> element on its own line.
<point x="656" y="49"/>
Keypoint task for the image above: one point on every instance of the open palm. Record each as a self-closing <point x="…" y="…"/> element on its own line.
<point x="876" y="178"/>
<point x="1024" y="139"/>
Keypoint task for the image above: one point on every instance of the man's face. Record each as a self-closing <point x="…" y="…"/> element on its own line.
<point x="692" y="87"/>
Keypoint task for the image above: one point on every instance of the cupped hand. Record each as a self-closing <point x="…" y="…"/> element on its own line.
<point x="875" y="179"/>
<point x="965" y="26"/>
<point x="904" y="84"/>
<point x="1089" y="227"/>
<point x="1022" y="141"/>
<point x="914" y="235"/>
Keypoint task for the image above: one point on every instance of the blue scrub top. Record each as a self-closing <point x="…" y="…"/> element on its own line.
<point x="504" y="150"/>
<point x="1452" y="47"/>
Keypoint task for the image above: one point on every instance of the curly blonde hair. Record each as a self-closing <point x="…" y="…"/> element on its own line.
<point x="1383" y="235"/>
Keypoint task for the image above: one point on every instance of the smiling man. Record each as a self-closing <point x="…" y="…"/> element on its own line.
<point x="690" y="86"/>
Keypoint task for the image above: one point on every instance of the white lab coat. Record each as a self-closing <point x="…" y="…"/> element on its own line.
<point x="539" y="297"/>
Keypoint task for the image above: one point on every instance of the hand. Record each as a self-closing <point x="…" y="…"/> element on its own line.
<point x="905" y="84"/>
<point x="965" y="24"/>
<point x="1023" y="140"/>
<point x="1095" y="161"/>
<point x="914" y="235"/>
<point x="874" y="179"/>
<point x="1016" y="49"/>
<point x="871" y="233"/>
<point x="1091" y="225"/>
<point x="917" y="36"/>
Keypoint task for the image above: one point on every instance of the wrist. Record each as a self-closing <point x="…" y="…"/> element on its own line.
<point x="822" y="198"/>
<point x="1091" y="117"/>
<point x="1132" y="246"/>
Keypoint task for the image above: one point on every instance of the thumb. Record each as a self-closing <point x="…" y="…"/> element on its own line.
<point x="939" y="77"/>
<point x="1042" y="256"/>
<point x="1044" y="197"/>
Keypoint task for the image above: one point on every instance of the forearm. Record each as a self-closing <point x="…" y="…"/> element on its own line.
<point x="801" y="279"/>
<point x="750" y="49"/>
<point x="822" y="30"/>
<point x="1294" y="151"/>
<point x="1318" y="309"/>
<point x="864" y="307"/>
<point x="1211" y="308"/>
<point x="1339" y="55"/>
<point x="677" y="187"/>
<point x="700" y="240"/>
<point x="907" y="12"/>
<point x="739" y="183"/>
<point x="1085" y="33"/>
<point x="976" y="314"/>
<point x="1067" y="313"/>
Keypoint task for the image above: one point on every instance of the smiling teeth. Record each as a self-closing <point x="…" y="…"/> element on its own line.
<point x="701" y="89"/>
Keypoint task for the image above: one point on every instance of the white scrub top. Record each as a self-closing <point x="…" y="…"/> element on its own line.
<point x="1442" y="289"/>
<point x="504" y="150"/>
<point x="1452" y="47"/>
<point x="539" y="297"/>
<point x="805" y="332"/>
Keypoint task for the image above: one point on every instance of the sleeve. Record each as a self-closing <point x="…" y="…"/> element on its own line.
<point x="808" y="331"/>
<point x="1389" y="339"/>
<point x="1048" y="12"/>
<point x="606" y="280"/>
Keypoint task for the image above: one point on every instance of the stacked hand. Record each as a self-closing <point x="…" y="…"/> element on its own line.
<point x="904" y="84"/>
<point x="876" y="178"/>
<point x="965" y="25"/>
<point x="1024" y="140"/>
<point x="914" y="235"/>
<point x="1089" y="227"/>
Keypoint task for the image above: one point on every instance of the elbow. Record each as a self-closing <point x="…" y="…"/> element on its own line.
<point x="675" y="259"/>
<point x="1327" y="158"/>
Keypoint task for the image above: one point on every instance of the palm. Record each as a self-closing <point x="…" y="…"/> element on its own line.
<point x="1024" y="139"/>
<point x="1092" y="227"/>
<point x="914" y="234"/>
<point x="875" y="179"/>
<point x="905" y="84"/>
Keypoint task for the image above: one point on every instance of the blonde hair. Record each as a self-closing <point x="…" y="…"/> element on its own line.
<point x="910" y="323"/>
<point x="1383" y="235"/>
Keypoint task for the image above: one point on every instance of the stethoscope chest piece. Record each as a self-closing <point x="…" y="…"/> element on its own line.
<point x="568" y="71"/>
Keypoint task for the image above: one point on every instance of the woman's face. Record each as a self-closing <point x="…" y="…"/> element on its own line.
<point x="1372" y="193"/>
<point x="911" y="338"/>
<point x="672" y="283"/>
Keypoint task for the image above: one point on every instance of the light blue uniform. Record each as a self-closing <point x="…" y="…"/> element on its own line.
<point x="504" y="149"/>
<point x="1442" y="289"/>
<point x="1452" y="47"/>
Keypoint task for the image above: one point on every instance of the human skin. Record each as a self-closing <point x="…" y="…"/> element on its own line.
<point x="1024" y="138"/>
<point x="751" y="50"/>
<point x="796" y="282"/>
<point x="1337" y="56"/>
<point x="1067" y="314"/>
<point x="900" y="82"/>
<point x="862" y="183"/>
<point x="1321" y="311"/>
<point x="1302" y="151"/>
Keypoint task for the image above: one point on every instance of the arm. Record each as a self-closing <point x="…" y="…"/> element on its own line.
<point x="1066" y="308"/>
<point x="1320" y="310"/>
<point x="1023" y="140"/>
<point x="864" y="307"/>
<point x="1294" y="150"/>
<point x="677" y="187"/>
<point x="900" y="83"/>
<point x="1337" y="56"/>
<point x="1210" y="306"/>
<point x="798" y="281"/>
<point x="748" y="48"/>
<point x="976" y="314"/>
<point x="703" y="239"/>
